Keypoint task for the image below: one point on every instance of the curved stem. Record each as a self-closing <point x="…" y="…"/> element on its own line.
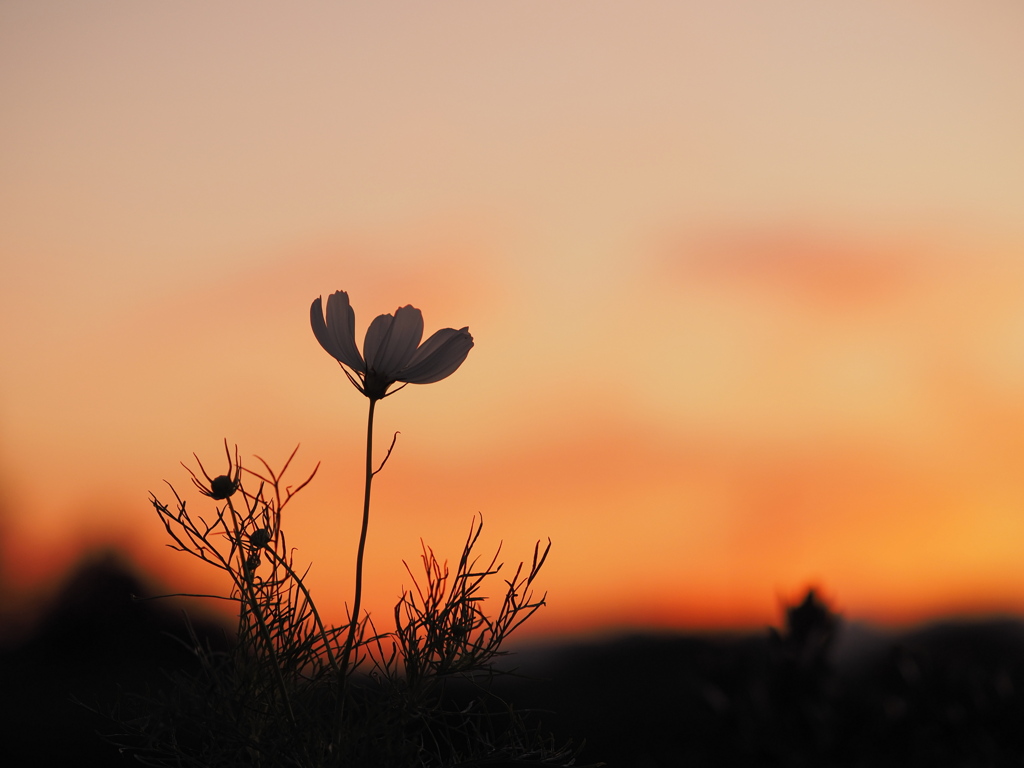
<point x="247" y="586"/>
<point x="356" y="604"/>
<point x="297" y="580"/>
<point x="261" y="623"/>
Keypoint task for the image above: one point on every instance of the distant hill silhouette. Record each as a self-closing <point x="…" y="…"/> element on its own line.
<point x="811" y="694"/>
<point x="95" y="641"/>
<point x="951" y="694"/>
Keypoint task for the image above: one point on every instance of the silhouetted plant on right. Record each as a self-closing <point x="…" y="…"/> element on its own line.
<point x="800" y="676"/>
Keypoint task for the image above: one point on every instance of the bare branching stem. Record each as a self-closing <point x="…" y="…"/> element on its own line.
<point x="300" y="584"/>
<point x="286" y="693"/>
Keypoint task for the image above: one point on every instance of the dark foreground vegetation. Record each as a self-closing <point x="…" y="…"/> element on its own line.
<point x="812" y="693"/>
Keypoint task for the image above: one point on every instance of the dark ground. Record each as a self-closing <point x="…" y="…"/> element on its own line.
<point x="814" y="693"/>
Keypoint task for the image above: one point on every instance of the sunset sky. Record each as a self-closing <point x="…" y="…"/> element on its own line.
<point x="746" y="281"/>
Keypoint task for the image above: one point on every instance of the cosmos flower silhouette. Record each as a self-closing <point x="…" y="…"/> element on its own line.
<point x="391" y="351"/>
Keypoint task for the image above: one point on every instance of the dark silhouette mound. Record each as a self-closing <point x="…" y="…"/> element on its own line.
<point x="95" y="642"/>
<point x="948" y="695"/>
<point x="814" y="693"/>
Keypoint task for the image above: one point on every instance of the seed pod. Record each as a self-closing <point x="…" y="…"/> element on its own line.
<point x="222" y="487"/>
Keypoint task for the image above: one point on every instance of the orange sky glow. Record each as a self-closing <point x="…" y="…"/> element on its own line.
<point x="746" y="282"/>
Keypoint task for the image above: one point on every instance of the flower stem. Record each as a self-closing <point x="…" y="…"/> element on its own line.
<point x="247" y="588"/>
<point x="309" y="601"/>
<point x="356" y="603"/>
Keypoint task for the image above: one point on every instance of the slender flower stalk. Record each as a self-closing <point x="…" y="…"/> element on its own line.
<point x="356" y="603"/>
<point x="392" y="353"/>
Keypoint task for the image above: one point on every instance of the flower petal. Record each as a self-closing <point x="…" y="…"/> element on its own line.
<point x="439" y="356"/>
<point x="376" y="335"/>
<point x="338" y="334"/>
<point x="392" y="341"/>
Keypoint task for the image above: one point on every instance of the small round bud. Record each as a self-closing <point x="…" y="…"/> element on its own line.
<point x="222" y="487"/>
